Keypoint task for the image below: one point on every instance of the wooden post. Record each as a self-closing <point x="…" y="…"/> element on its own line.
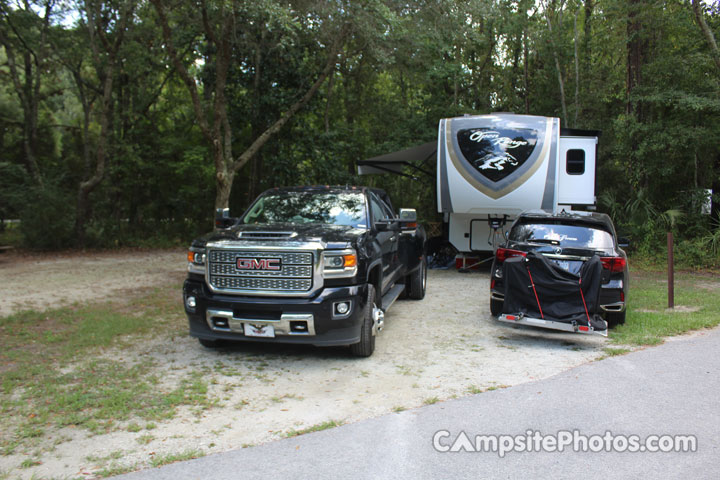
<point x="671" y="276"/>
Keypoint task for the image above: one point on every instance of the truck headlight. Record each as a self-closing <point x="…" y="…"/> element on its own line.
<point x="196" y="260"/>
<point x="340" y="263"/>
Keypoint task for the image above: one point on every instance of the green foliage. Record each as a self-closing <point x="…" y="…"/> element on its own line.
<point x="47" y="218"/>
<point x="403" y="66"/>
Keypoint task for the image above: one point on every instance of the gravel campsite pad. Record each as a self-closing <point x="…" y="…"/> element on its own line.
<point x="444" y="346"/>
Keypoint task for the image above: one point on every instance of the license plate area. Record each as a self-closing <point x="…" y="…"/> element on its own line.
<point x="264" y="331"/>
<point x="572" y="266"/>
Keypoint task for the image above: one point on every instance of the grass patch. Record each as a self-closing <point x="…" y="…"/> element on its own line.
<point x="314" y="428"/>
<point x="30" y="462"/>
<point x="474" y="390"/>
<point x="697" y="301"/>
<point x="145" y="439"/>
<point x="614" y="351"/>
<point x="53" y="373"/>
<point x="431" y="400"/>
<point x="114" y="470"/>
<point x="159" y="460"/>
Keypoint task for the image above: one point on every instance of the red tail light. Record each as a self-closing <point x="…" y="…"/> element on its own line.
<point x="614" y="264"/>
<point x="502" y="254"/>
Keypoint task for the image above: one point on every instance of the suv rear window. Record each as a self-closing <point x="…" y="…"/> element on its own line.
<point x="573" y="236"/>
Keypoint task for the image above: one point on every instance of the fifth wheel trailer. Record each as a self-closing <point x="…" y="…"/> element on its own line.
<point x="490" y="168"/>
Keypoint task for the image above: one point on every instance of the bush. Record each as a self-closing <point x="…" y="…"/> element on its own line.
<point x="47" y="220"/>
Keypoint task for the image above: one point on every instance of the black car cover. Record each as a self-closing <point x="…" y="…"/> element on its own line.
<point x="557" y="295"/>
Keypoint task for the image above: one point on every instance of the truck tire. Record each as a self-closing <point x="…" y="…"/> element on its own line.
<point x="496" y="307"/>
<point x="417" y="281"/>
<point x="366" y="346"/>
<point x="614" y="319"/>
<point x="209" y="343"/>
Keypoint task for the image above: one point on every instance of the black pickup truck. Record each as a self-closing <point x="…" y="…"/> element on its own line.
<point x="312" y="265"/>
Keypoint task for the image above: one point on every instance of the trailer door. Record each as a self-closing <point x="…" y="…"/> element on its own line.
<point x="576" y="170"/>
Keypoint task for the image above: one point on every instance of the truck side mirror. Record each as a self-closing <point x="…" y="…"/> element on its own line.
<point x="623" y="242"/>
<point x="408" y="215"/>
<point x="222" y="218"/>
<point x="408" y="218"/>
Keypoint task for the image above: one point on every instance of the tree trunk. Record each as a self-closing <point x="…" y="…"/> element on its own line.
<point x="556" y="57"/>
<point x="715" y="200"/>
<point x="635" y="55"/>
<point x="105" y="68"/>
<point x="709" y="36"/>
<point x="27" y="88"/>
<point x="577" y="69"/>
<point x="219" y="135"/>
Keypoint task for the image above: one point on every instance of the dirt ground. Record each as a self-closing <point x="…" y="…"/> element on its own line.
<point x="444" y="346"/>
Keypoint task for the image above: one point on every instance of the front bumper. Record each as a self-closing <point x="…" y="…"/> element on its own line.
<point x="311" y="321"/>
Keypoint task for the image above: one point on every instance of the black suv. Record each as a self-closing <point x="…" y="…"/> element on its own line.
<point x="568" y="240"/>
<point x="314" y="265"/>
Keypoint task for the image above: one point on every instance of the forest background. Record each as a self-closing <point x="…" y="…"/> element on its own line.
<point x="126" y="123"/>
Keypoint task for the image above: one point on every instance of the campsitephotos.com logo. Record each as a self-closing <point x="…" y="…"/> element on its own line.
<point x="535" y="441"/>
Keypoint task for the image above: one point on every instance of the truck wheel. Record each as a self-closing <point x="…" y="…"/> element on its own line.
<point x="496" y="307"/>
<point x="209" y="343"/>
<point x="366" y="346"/>
<point x="417" y="281"/>
<point x="615" y="318"/>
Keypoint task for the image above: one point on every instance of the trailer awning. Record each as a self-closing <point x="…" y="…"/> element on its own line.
<point x="414" y="158"/>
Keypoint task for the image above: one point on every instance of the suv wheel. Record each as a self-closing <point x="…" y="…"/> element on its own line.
<point x="615" y="318"/>
<point x="496" y="307"/>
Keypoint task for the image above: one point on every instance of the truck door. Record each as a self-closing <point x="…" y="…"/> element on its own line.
<point x="388" y="241"/>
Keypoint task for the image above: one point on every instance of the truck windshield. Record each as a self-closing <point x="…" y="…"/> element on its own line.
<point x="308" y="207"/>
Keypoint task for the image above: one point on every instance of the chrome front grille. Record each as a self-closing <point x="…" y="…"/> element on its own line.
<point x="293" y="271"/>
<point x="255" y="283"/>
<point x="292" y="258"/>
<point x="295" y="274"/>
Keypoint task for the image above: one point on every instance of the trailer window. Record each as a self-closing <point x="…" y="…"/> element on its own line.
<point x="575" y="162"/>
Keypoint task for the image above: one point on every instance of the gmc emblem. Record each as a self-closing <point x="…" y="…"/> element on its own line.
<point x="272" y="264"/>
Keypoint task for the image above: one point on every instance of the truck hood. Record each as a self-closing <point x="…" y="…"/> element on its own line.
<point x="332" y="236"/>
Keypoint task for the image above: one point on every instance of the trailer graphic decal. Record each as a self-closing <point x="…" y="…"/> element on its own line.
<point x="499" y="157"/>
<point x="496" y="153"/>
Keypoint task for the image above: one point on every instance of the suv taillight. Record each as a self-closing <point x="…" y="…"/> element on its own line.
<point x="502" y="254"/>
<point x="614" y="264"/>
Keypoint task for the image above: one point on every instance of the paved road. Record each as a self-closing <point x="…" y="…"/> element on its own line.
<point x="672" y="389"/>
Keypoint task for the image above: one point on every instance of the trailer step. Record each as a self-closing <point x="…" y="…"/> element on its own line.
<point x="521" y="319"/>
<point x="389" y="298"/>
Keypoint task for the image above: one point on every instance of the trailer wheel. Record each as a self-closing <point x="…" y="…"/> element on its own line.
<point x="615" y="318"/>
<point x="366" y="346"/>
<point x="417" y="281"/>
<point x="496" y="307"/>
